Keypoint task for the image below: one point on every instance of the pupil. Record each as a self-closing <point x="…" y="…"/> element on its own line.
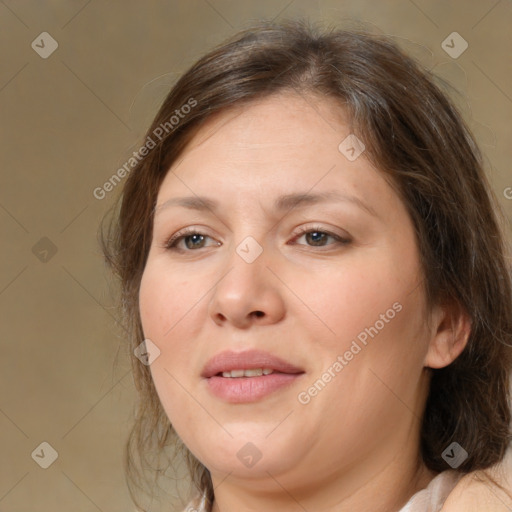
<point x="194" y="237"/>
<point x="315" y="239"/>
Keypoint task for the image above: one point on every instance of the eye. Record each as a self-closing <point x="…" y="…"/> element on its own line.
<point x="191" y="235"/>
<point x="194" y="239"/>
<point x="316" y="236"/>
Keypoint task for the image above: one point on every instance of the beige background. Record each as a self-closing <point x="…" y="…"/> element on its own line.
<point x="67" y="123"/>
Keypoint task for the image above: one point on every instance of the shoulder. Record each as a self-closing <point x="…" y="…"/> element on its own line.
<point x="476" y="492"/>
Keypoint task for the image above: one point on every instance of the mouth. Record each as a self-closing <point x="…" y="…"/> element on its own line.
<point x="255" y="372"/>
<point x="248" y="376"/>
<point x="250" y="363"/>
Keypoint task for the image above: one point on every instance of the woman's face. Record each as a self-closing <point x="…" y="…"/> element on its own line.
<point x="337" y="313"/>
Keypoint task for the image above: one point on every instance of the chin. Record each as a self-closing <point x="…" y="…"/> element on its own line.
<point x="246" y="456"/>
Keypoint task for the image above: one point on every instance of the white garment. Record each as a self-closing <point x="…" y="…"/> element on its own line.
<point x="430" y="499"/>
<point x="194" y="506"/>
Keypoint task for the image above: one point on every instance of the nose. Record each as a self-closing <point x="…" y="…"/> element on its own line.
<point x="248" y="293"/>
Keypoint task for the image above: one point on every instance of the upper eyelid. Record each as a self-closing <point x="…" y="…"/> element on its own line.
<point x="300" y="231"/>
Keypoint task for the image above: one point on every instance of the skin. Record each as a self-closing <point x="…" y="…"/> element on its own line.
<point x="474" y="495"/>
<point x="355" y="445"/>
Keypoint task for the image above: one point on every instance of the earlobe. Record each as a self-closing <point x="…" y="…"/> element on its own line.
<point x="450" y="335"/>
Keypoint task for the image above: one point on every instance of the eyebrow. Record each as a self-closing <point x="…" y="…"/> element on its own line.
<point x="284" y="202"/>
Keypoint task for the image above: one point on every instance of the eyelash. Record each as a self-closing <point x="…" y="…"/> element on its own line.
<point x="171" y="243"/>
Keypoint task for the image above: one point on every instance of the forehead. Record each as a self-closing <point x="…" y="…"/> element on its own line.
<point x="282" y="144"/>
<point x="284" y="135"/>
<point x="280" y="120"/>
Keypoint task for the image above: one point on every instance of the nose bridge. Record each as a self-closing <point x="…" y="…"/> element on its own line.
<point x="246" y="289"/>
<point x="250" y="250"/>
<point x="248" y="234"/>
<point x="247" y="264"/>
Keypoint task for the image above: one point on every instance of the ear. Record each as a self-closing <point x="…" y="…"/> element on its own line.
<point x="451" y="327"/>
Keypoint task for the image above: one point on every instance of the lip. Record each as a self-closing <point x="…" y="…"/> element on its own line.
<point x="247" y="360"/>
<point x="248" y="389"/>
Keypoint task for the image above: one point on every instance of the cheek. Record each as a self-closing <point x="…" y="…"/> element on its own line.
<point x="153" y="303"/>
<point x="166" y="312"/>
<point x="371" y="316"/>
<point x="382" y="347"/>
<point x="167" y="320"/>
<point x="377" y="366"/>
<point x="173" y="311"/>
<point x="164" y="300"/>
<point x="357" y="299"/>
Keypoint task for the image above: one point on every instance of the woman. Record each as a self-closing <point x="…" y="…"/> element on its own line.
<point x="315" y="261"/>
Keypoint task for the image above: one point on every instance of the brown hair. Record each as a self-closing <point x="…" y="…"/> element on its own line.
<point x="413" y="134"/>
